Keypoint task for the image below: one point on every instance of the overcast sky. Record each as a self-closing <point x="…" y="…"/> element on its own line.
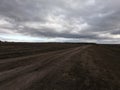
<point x="60" y="21"/>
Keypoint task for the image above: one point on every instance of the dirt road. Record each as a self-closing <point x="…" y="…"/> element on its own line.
<point x="70" y="69"/>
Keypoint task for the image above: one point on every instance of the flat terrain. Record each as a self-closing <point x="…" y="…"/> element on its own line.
<point x="59" y="66"/>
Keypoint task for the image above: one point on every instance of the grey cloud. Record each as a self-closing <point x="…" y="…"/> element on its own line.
<point x="46" y="32"/>
<point x="116" y="32"/>
<point x="101" y="16"/>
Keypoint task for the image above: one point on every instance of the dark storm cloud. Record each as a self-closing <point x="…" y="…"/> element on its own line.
<point x="96" y="20"/>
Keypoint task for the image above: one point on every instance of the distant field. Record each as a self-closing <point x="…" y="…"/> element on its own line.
<point x="11" y="50"/>
<point x="59" y="66"/>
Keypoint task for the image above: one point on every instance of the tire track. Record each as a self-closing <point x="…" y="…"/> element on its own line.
<point x="22" y="77"/>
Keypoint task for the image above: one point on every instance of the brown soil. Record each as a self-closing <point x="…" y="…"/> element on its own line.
<point x="59" y="67"/>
